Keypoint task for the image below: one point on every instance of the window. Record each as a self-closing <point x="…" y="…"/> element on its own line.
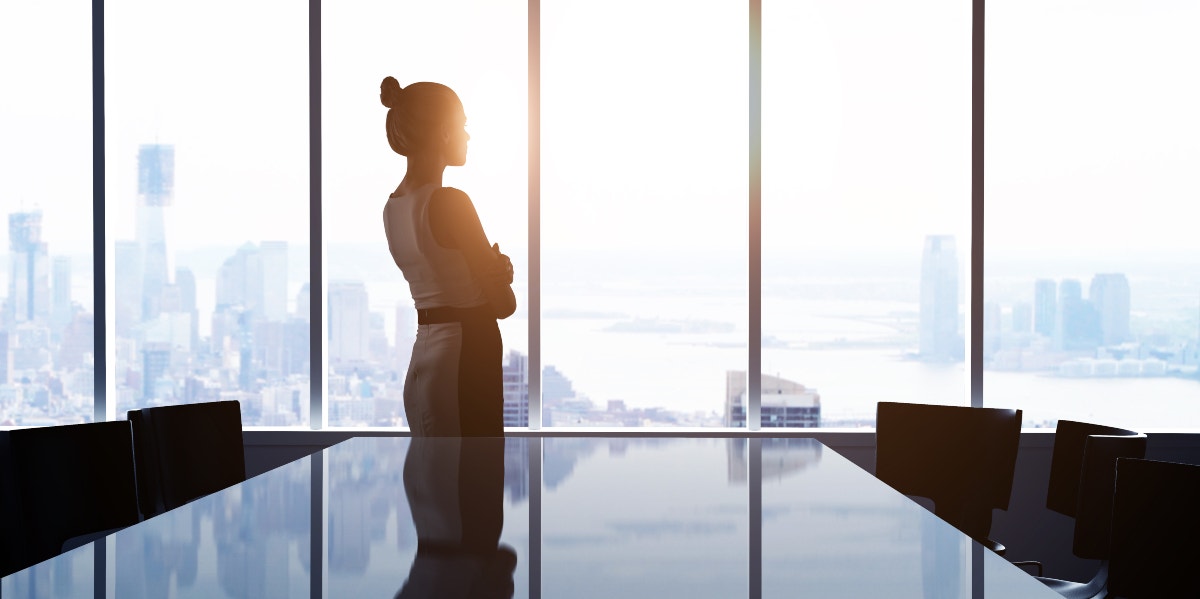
<point x="47" y="367"/>
<point x="1090" y="298"/>
<point x="644" y="215"/>
<point x="866" y="208"/>
<point x="371" y="320"/>
<point x="207" y="187"/>
<point x="1092" y="293"/>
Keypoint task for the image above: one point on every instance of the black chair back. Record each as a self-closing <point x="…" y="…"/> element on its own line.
<point x="961" y="458"/>
<point x="69" y="481"/>
<point x="185" y="452"/>
<point x="1097" y="480"/>
<point x="1066" y="463"/>
<point x="1156" y="514"/>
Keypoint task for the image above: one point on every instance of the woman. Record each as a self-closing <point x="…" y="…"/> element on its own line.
<point x="460" y="285"/>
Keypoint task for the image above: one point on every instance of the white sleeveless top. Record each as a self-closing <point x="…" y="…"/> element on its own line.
<point x="437" y="276"/>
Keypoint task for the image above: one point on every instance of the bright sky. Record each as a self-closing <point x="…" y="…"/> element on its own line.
<point x="1092" y="133"/>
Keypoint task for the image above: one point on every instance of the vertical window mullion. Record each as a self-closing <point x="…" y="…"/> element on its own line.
<point x="318" y="372"/>
<point x="975" y="353"/>
<point x="100" y="341"/>
<point x="535" y="231"/>
<point x="754" y="343"/>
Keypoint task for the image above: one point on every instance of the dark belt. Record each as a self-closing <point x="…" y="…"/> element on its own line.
<point x="450" y="314"/>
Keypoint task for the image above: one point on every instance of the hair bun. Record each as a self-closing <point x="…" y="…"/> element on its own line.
<point x="389" y="92"/>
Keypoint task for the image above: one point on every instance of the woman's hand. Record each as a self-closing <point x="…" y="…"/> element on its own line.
<point x="505" y="263"/>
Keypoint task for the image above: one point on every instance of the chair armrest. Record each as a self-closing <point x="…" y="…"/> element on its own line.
<point x="994" y="546"/>
<point x="1035" y="564"/>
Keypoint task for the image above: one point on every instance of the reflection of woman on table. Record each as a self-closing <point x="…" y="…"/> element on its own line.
<point x="460" y="284"/>
<point x="455" y="487"/>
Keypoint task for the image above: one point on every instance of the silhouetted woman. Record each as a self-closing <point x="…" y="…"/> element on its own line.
<point x="460" y="285"/>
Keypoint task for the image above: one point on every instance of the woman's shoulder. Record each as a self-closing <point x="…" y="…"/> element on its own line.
<point x="450" y="194"/>
<point x="451" y="200"/>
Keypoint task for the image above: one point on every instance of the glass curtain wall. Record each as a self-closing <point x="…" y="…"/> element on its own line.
<point x="207" y="197"/>
<point x="643" y="211"/>
<point x="1090" y="295"/>
<point x="46" y="314"/>
<point x="479" y="49"/>
<point x="1092" y="288"/>
<point x="866" y="194"/>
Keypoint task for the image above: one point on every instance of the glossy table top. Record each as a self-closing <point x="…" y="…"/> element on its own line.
<point x="593" y="517"/>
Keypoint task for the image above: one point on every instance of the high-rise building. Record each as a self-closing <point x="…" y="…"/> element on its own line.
<point x="349" y="322"/>
<point x="4" y="357"/>
<point x="60" y="311"/>
<point x="939" y="339"/>
<point x="240" y="281"/>
<point x="302" y="303"/>
<point x="127" y="258"/>
<point x="516" y="389"/>
<point x="1109" y="294"/>
<point x="156" y="362"/>
<point x="1077" y="327"/>
<point x="406" y="332"/>
<point x="156" y="189"/>
<point x="274" y="280"/>
<point x="1022" y="317"/>
<point x="29" y="269"/>
<point x="1045" y="307"/>
<point x="555" y="386"/>
<point x="185" y="282"/>
<point x="993" y="317"/>
<point x="783" y="403"/>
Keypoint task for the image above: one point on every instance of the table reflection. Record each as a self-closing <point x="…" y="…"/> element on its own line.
<point x="455" y="488"/>
<point x="371" y="536"/>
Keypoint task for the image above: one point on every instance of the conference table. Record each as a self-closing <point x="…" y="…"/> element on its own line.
<point x="532" y="517"/>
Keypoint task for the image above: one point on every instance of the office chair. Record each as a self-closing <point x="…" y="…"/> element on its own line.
<point x="187" y="451"/>
<point x="1082" y="475"/>
<point x="72" y="484"/>
<point x="961" y="458"/>
<point x="1156" y="515"/>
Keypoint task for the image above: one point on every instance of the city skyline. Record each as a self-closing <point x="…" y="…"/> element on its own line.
<point x="250" y="340"/>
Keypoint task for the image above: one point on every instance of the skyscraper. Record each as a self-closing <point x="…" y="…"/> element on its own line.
<point x="240" y="280"/>
<point x="349" y="322"/>
<point x="61" y="292"/>
<point x="1022" y="317"/>
<point x="939" y="300"/>
<point x="29" y="269"/>
<point x="1077" y="325"/>
<point x="274" y="280"/>
<point x="185" y="281"/>
<point x="1045" y="307"/>
<point x="127" y="256"/>
<point x="1109" y="294"/>
<point x="156" y="188"/>
<point x="516" y="389"/>
<point x="406" y="331"/>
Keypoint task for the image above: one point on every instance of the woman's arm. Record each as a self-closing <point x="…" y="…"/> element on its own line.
<point x="455" y="224"/>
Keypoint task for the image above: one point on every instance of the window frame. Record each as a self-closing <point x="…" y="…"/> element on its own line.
<point x="317" y="407"/>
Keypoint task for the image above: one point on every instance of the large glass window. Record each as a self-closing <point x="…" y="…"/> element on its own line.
<point x="46" y="286"/>
<point x="1092" y="288"/>
<point x="208" y="194"/>
<point x="644" y="213"/>
<point x="479" y="49"/>
<point x="866" y="147"/>
<point x="1090" y="292"/>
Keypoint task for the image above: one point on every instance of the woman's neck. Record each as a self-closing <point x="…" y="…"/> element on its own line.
<point x="421" y="172"/>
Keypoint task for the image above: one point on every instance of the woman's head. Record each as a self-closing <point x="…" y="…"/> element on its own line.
<point x="425" y="118"/>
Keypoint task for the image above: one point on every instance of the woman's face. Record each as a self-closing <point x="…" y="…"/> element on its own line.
<point x="455" y="139"/>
